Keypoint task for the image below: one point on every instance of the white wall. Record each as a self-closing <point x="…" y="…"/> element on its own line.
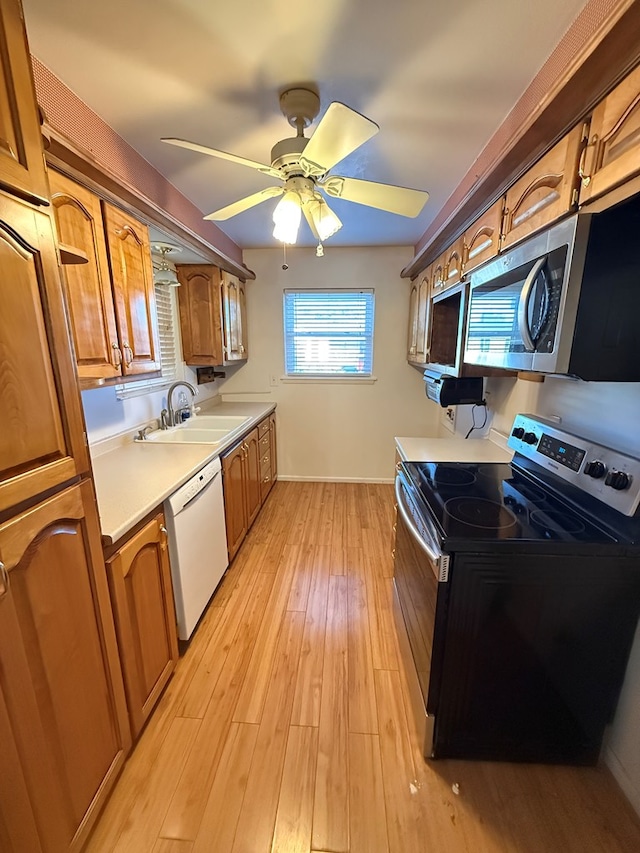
<point x="610" y="414"/>
<point x="334" y="431"/>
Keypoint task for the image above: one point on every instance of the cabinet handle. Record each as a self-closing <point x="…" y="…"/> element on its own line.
<point x="125" y="232"/>
<point x="4" y="581"/>
<point x="164" y="530"/>
<point x="117" y="354"/>
<point x="266" y="479"/>
<point x="126" y="347"/>
<point x="584" y="177"/>
<point x="241" y="348"/>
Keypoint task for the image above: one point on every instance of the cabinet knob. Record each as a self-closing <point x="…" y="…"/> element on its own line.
<point x="4" y="581"/>
<point x="164" y="530"/>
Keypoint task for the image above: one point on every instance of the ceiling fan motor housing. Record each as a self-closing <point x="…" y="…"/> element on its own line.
<point x="285" y="155"/>
<point x="300" y="107"/>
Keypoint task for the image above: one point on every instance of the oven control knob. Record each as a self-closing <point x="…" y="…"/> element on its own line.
<point x="530" y="438"/>
<point x="618" y="480"/>
<point x="595" y="469"/>
<point x="518" y="432"/>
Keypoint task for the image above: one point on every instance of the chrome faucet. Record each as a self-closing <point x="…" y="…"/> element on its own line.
<point x="171" y="415"/>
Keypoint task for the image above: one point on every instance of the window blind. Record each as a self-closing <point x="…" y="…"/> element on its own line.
<point x="328" y="332"/>
<point x="166" y="313"/>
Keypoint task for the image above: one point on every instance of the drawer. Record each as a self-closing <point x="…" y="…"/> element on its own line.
<point x="265" y="464"/>
<point x="264" y="444"/>
<point x="263" y="428"/>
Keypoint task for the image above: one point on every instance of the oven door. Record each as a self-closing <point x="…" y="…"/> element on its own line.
<point x="421" y="581"/>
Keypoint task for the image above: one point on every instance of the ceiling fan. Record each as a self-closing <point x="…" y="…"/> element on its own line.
<point x="302" y="164"/>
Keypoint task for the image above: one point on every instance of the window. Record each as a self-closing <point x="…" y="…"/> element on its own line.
<point x="328" y="332"/>
<point x="169" y="351"/>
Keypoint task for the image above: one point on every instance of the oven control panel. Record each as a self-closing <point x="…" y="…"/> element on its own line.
<point x="606" y="474"/>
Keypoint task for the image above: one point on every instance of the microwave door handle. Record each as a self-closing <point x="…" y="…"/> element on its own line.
<point x="430" y="552"/>
<point x="523" y="305"/>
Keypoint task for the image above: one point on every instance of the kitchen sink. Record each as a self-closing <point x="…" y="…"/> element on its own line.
<point x="216" y="422"/>
<point x="188" y="436"/>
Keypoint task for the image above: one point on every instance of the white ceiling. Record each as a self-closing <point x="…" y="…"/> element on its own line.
<point x="437" y="77"/>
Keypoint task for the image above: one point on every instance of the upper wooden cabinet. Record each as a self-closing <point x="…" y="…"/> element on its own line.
<point x="546" y="192"/>
<point x="200" y="314"/>
<point x="482" y="239"/>
<point x="613" y="152"/>
<point x="438" y="274"/>
<point x="419" y="302"/>
<point x="133" y="291"/>
<point x="89" y="296"/>
<point x="235" y="318"/>
<point x="22" y="168"/>
<point x="63" y="716"/>
<point x="142" y="597"/>
<point x="453" y="263"/>
<point x="42" y="443"/>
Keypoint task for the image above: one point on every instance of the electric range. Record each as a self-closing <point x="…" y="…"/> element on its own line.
<point x="518" y="591"/>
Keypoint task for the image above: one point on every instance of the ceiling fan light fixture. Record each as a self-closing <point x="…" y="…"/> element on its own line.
<point x="164" y="272"/>
<point x="286" y="218"/>
<point x="324" y="219"/>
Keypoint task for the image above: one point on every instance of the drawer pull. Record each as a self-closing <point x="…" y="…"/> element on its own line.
<point x="4" y="581"/>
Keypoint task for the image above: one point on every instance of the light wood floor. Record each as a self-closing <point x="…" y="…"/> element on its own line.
<point x="285" y="727"/>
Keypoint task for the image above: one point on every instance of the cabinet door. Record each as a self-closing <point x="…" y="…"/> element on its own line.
<point x="412" y="334"/>
<point x="419" y="319"/>
<point x="22" y="168"/>
<point x="438" y="277"/>
<point x="142" y="596"/>
<point x="274" y="454"/>
<point x="252" y="476"/>
<point x="234" y="497"/>
<point x="482" y="239"/>
<point x="59" y="669"/>
<point x="135" y="300"/>
<point x="545" y="193"/>
<point x="42" y="433"/>
<point x="200" y="314"/>
<point x="264" y="449"/>
<point x="89" y="297"/>
<point x="234" y="312"/>
<point x="613" y="152"/>
<point x="453" y="263"/>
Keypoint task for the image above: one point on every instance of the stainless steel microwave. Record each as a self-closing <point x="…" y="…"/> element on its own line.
<point x="566" y="301"/>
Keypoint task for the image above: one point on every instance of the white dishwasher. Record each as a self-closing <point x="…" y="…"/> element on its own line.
<point x="197" y="544"/>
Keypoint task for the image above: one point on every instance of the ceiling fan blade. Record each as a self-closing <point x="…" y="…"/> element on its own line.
<point x="400" y="200"/>
<point x="223" y="155"/>
<point x="244" y="204"/>
<point x="341" y="131"/>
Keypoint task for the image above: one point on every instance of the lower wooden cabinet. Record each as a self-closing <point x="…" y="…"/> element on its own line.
<point x="241" y="483"/>
<point x="142" y="596"/>
<point x="63" y="720"/>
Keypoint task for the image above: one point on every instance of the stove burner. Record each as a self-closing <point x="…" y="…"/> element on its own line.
<point x="555" y="523"/>
<point x="528" y="492"/>
<point x="480" y="512"/>
<point x="453" y="477"/>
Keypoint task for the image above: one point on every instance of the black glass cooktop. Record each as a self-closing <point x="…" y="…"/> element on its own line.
<point x="495" y="501"/>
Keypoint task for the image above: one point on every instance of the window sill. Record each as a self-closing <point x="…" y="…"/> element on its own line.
<point x="328" y="380"/>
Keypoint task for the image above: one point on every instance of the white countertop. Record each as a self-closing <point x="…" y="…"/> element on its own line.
<point x="492" y="449"/>
<point x="132" y="479"/>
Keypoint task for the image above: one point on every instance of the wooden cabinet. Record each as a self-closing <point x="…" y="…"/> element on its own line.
<point x="199" y="298"/>
<point x="274" y="448"/>
<point x="22" y="169"/>
<point x="142" y="595"/>
<point x="419" y="303"/>
<point x="453" y="264"/>
<point x="482" y="239"/>
<point x="235" y="318"/>
<point x="545" y="193"/>
<point x="267" y="452"/>
<point x="133" y="291"/>
<point x="92" y="314"/>
<point x="613" y="151"/>
<point x="241" y="483"/>
<point x="42" y="442"/>
<point x="438" y="274"/>
<point x="62" y="699"/>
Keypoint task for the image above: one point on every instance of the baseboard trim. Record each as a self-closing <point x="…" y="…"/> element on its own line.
<point x="294" y="479"/>
<point x="621" y="776"/>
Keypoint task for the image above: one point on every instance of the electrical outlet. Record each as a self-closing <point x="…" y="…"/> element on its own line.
<point x="449" y="418"/>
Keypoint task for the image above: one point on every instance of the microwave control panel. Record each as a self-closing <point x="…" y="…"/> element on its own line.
<point x="606" y="474"/>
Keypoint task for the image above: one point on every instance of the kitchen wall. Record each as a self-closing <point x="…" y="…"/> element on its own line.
<point x="608" y="412"/>
<point x="331" y="430"/>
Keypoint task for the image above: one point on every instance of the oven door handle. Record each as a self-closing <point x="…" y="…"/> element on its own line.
<point x="432" y="553"/>
<point x="523" y="305"/>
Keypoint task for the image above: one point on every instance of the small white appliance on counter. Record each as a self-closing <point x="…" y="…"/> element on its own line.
<point x="197" y="544"/>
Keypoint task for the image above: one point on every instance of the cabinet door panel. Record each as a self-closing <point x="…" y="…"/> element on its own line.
<point x="200" y="314"/>
<point x="545" y="193"/>
<point x="412" y="335"/>
<point x="41" y="440"/>
<point x="453" y="263"/>
<point x="89" y="296"/>
<point x="234" y="308"/>
<point x="234" y="498"/>
<point x="22" y="167"/>
<point x="613" y="152"/>
<point x="140" y="581"/>
<point x="252" y="476"/>
<point x="274" y="454"/>
<point x="482" y="239"/>
<point x="132" y="277"/>
<point x="58" y="663"/>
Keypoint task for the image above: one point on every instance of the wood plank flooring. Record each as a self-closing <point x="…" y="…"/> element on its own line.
<point x="286" y="727"/>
